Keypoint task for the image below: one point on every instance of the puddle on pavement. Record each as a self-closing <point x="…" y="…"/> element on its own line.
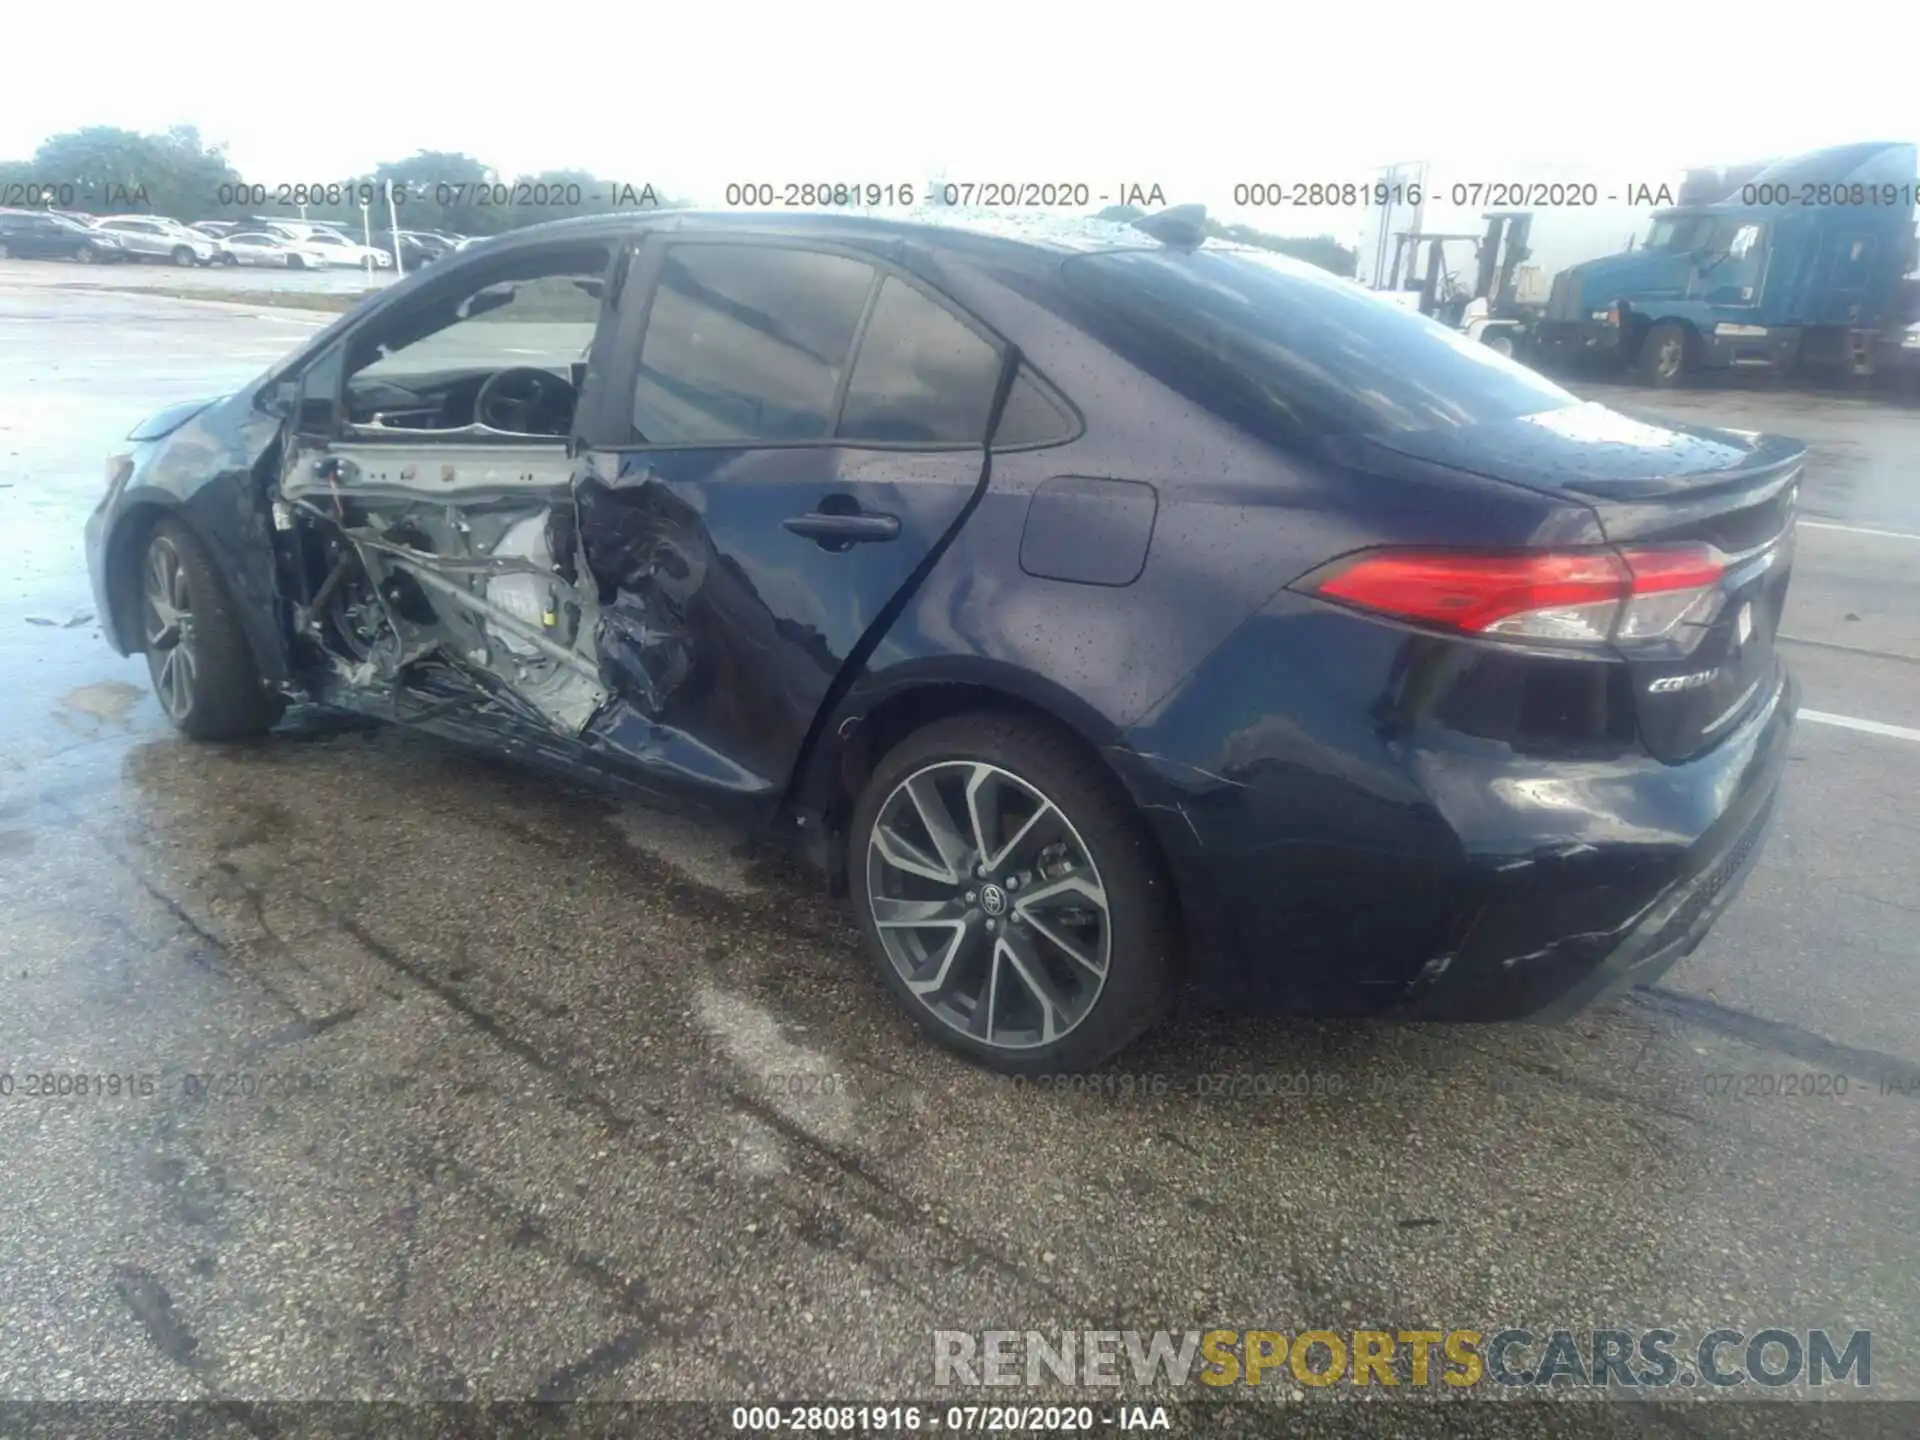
<point x="105" y="700"/>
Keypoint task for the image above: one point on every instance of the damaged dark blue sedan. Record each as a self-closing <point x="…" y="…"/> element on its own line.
<point x="1100" y="606"/>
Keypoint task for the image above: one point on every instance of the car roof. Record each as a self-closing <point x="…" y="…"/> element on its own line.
<point x="1061" y="235"/>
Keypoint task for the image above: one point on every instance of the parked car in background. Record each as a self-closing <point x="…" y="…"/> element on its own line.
<point x="1104" y="607"/>
<point x="339" y="250"/>
<point x="156" y="237"/>
<point x="331" y="241"/>
<point x="257" y="247"/>
<point x="300" y="229"/>
<point x="36" y="235"/>
<point x="217" y="229"/>
<point x="416" y="248"/>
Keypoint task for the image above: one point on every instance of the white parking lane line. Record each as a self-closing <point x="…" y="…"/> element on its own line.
<point x="1856" y="530"/>
<point x="1870" y="727"/>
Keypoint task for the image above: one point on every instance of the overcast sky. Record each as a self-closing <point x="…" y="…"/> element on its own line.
<point x="1196" y="96"/>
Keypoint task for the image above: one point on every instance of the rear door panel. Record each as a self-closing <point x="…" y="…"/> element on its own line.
<point x="738" y="579"/>
<point x="725" y="628"/>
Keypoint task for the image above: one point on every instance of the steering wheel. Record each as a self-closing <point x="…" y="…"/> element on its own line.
<point x="510" y="399"/>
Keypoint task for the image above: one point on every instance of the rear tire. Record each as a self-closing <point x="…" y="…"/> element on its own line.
<point x="202" y="668"/>
<point x="1075" y="904"/>
<point x="294" y="262"/>
<point x="85" y="255"/>
<point x="1499" y="342"/>
<point x="1663" y="358"/>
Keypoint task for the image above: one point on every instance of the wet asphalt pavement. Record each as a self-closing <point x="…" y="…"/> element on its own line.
<point x="450" y="1081"/>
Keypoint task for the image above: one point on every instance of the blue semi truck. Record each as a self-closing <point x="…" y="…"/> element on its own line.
<point x="1797" y="265"/>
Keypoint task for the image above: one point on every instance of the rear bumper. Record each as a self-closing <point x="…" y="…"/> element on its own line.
<point x="1500" y="974"/>
<point x="1347" y="861"/>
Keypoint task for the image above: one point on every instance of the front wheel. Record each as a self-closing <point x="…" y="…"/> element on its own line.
<point x="203" y="670"/>
<point x="85" y="255"/>
<point x="182" y="255"/>
<point x="229" y="259"/>
<point x="294" y="262"/>
<point x="1499" y="341"/>
<point x="1663" y="354"/>
<point x="1011" y="896"/>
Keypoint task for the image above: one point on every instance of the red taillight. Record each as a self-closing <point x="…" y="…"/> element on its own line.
<point x="1685" y="567"/>
<point x="1577" y="597"/>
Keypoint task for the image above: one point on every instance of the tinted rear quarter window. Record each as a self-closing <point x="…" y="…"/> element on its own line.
<point x="1033" y="415"/>
<point x="1292" y="352"/>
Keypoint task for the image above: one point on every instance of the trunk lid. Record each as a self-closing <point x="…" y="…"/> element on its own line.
<point x="1655" y="482"/>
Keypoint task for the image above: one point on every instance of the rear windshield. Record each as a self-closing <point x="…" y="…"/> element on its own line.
<point x="1291" y="351"/>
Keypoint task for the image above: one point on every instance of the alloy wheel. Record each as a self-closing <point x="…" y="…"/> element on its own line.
<point x="988" y="904"/>
<point x="1668" y="358"/>
<point x="171" y="657"/>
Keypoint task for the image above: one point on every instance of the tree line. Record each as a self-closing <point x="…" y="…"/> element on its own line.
<point x="103" y="170"/>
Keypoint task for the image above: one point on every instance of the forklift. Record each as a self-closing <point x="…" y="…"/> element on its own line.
<point x="1487" y="308"/>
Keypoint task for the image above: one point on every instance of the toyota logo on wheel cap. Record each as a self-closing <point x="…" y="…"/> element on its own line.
<point x="993" y="900"/>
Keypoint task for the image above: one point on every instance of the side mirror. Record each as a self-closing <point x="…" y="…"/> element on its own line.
<point x="481" y="301"/>
<point x="285" y="398"/>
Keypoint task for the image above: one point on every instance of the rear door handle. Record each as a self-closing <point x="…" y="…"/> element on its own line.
<point x="848" y="529"/>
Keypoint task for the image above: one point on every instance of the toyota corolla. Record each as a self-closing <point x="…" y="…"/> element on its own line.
<point x="1102" y="607"/>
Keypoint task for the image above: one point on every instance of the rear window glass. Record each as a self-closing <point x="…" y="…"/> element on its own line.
<point x="1290" y="351"/>
<point x="747" y="344"/>
<point x="921" y="376"/>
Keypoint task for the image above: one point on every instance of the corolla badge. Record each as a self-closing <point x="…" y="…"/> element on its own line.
<point x="1667" y="684"/>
